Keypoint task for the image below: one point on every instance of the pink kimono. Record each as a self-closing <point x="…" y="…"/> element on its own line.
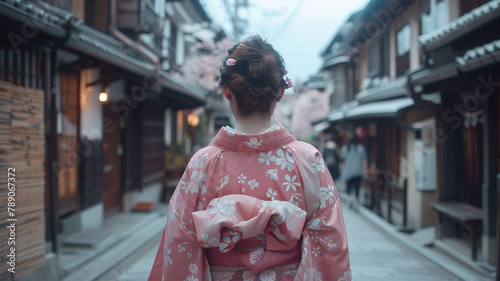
<point x="254" y="207"/>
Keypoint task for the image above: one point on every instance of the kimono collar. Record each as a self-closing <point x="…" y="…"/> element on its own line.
<point x="274" y="137"/>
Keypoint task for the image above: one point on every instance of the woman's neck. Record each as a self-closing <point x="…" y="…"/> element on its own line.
<point x="253" y="124"/>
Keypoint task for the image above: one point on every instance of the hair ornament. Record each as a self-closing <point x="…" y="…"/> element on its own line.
<point x="288" y="81"/>
<point x="231" y="62"/>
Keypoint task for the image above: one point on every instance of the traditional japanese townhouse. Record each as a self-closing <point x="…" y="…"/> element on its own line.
<point x="366" y="64"/>
<point x="422" y="78"/>
<point x="103" y="111"/>
<point x="461" y="64"/>
<point x="28" y="33"/>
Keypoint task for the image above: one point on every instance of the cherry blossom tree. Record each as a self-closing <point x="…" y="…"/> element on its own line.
<point x="203" y="65"/>
<point x="309" y="105"/>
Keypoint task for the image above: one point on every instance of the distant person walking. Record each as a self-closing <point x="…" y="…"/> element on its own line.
<point x="354" y="169"/>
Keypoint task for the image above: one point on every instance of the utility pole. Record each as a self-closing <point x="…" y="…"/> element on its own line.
<point x="237" y="21"/>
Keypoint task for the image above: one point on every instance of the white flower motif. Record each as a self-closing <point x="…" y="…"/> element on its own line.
<point x="256" y="256"/>
<point x="223" y="182"/>
<point x="295" y="199"/>
<point x="316" y="275"/>
<point x="264" y="206"/>
<point x="331" y="245"/>
<point x="271" y="193"/>
<point x="268" y="275"/>
<point x="192" y="278"/>
<point x="197" y="182"/>
<point x="254" y="143"/>
<point x="273" y="173"/>
<point x="266" y="158"/>
<point x="182" y="247"/>
<point x="316" y="252"/>
<point x="241" y="178"/>
<point x="346" y="277"/>
<point x="253" y="184"/>
<point x="220" y="154"/>
<point x="168" y="260"/>
<point x="285" y="160"/>
<point x="193" y="268"/>
<point x="326" y="194"/>
<point x="199" y="207"/>
<point x="184" y="185"/>
<point x="226" y="207"/>
<point x="319" y="165"/>
<point x="291" y="183"/>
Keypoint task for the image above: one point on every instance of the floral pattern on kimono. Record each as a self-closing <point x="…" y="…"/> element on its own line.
<point x="254" y="207"/>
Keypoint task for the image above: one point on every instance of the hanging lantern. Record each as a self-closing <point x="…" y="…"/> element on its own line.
<point x="361" y="132"/>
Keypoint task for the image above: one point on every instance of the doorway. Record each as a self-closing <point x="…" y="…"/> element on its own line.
<point x="112" y="160"/>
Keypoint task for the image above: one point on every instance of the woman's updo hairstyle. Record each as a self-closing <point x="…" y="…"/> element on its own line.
<point x="254" y="72"/>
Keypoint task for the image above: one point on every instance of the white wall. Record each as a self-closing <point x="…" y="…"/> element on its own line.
<point x="90" y="106"/>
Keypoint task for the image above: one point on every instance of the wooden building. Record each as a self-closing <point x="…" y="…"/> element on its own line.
<point x="88" y="111"/>
<point x="421" y="77"/>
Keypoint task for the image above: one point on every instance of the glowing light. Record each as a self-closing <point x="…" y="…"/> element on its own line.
<point x="103" y="96"/>
<point x="193" y="120"/>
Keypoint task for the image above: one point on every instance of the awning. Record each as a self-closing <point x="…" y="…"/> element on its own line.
<point x="191" y="94"/>
<point x="392" y="89"/>
<point x="380" y="109"/>
<point x="334" y="61"/>
<point x="321" y="126"/>
<point x="335" y="115"/>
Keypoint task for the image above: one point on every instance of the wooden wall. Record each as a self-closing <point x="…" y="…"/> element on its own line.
<point x="22" y="146"/>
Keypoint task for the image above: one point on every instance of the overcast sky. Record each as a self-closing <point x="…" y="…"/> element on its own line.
<point x="298" y="29"/>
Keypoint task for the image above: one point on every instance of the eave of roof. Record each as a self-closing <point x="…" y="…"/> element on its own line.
<point x="467" y="23"/>
<point x="394" y="88"/>
<point x="479" y="57"/>
<point x="46" y="18"/>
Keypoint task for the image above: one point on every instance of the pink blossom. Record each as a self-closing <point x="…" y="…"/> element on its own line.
<point x="289" y="82"/>
<point x="230" y="62"/>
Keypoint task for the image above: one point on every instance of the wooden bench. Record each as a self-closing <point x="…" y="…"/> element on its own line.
<point x="467" y="215"/>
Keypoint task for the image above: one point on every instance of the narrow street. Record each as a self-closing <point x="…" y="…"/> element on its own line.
<point x="374" y="256"/>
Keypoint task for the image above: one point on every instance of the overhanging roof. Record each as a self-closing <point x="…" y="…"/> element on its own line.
<point x="103" y="47"/>
<point x="467" y="23"/>
<point x="482" y="56"/>
<point x="45" y="17"/>
<point x="392" y="89"/>
<point x="335" y="61"/>
<point x="192" y="95"/>
<point x="380" y="109"/>
<point x="321" y="126"/>
<point x="335" y="115"/>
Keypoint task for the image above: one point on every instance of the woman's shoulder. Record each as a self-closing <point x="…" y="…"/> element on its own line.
<point x="303" y="147"/>
<point x="205" y="153"/>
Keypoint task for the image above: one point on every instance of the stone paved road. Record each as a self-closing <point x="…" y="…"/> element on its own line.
<point x="376" y="256"/>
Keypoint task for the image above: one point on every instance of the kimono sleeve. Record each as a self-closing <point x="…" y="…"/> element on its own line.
<point x="325" y="254"/>
<point x="180" y="255"/>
